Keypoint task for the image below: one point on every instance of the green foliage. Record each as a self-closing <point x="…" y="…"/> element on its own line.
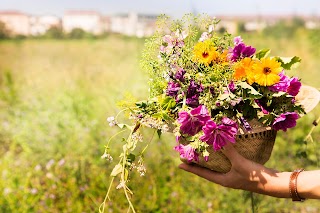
<point x="284" y="28"/>
<point x="4" y="32"/>
<point x="55" y="97"/>
<point x="79" y="33"/>
<point x="54" y="32"/>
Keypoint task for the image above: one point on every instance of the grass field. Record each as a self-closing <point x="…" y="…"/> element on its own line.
<point x="55" y="97"/>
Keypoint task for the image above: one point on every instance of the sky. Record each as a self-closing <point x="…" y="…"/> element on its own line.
<point x="175" y="8"/>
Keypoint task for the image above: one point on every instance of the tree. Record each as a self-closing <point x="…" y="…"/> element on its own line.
<point x="78" y="33"/>
<point x="4" y="32"/>
<point x="54" y="32"/>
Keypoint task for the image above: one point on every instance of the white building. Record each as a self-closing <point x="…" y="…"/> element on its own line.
<point x="89" y="21"/>
<point x="133" y="24"/>
<point x="39" y="25"/>
<point x="16" y="22"/>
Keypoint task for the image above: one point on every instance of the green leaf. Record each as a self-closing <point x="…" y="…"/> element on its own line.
<point x="279" y="94"/>
<point x="288" y="63"/>
<point x="263" y="53"/>
<point x="223" y="97"/>
<point x="252" y="90"/>
<point x="116" y="170"/>
<point x="168" y="103"/>
<point x="121" y="126"/>
<point x="131" y="157"/>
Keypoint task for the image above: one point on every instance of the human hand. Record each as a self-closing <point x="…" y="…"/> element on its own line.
<point x="245" y="175"/>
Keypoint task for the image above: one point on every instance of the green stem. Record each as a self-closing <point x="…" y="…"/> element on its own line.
<point x="106" y="197"/>
<point x="252" y="202"/>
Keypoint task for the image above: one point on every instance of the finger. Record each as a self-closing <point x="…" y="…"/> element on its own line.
<point x="231" y="153"/>
<point x="204" y="173"/>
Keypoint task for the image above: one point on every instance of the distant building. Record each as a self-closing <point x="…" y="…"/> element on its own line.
<point x="16" y="22"/>
<point x="39" y="25"/>
<point x="89" y="21"/>
<point x="133" y="24"/>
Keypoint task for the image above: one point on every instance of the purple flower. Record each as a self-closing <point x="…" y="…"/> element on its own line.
<point x="245" y="124"/>
<point x="282" y="85"/>
<point x="285" y="121"/>
<point x="180" y="74"/>
<point x="192" y="123"/>
<point x="173" y="89"/>
<point x="193" y="94"/>
<point x="219" y="135"/>
<point x="237" y="40"/>
<point x="187" y="152"/>
<point x="294" y="86"/>
<point x="262" y="106"/>
<point x="242" y="51"/>
<point x="231" y="86"/>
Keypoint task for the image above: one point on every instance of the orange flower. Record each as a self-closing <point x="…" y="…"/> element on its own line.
<point x="243" y="69"/>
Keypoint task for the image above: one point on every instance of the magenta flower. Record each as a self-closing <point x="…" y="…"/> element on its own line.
<point x="187" y="152"/>
<point x="237" y="40"/>
<point x="219" y="135"/>
<point x="294" y="86"/>
<point x="286" y="84"/>
<point x="242" y="51"/>
<point x="173" y="89"/>
<point x="262" y="106"/>
<point x="193" y="94"/>
<point x="180" y="74"/>
<point x="231" y="86"/>
<point x="192" y="123"/>
<point x="282" y="85"/>
<point x="285" y="121"/>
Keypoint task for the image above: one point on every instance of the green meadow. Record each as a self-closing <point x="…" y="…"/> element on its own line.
<point x="55" y="96"/>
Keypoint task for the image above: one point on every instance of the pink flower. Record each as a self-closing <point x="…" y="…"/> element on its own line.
<point x="192" y="123"/>
<point x="187" y="152"/>
<point x="286" y="84"/>
<point x="294" y="86"/>
<point x="285" y="121"/>
<point x="219" y="135"/>
<point x="282" y="85"/>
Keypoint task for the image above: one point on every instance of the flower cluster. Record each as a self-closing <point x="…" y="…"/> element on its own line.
<point x="214" y="85"/>
<point x="206" y="86"/>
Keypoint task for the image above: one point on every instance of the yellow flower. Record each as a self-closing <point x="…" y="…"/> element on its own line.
<point x="243" y="69"/>
<point x="205" y="52"/>
<point x="266" y="72"/>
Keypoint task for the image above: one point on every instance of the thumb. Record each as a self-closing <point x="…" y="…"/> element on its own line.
<point x="232" y="154"/>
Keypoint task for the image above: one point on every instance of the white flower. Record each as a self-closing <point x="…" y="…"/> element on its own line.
<point x="107" y="156"/>
<point x="112" y="121"/>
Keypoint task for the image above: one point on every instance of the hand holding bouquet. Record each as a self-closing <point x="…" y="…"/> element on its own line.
<point x="209" y="89"/>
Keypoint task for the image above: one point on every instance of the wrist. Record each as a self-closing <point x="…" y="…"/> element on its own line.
<point x="307" y="186"/>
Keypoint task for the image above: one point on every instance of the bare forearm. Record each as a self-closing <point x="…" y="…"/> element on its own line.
<point x="277" y="184"/>
<point x="308" y="184"/>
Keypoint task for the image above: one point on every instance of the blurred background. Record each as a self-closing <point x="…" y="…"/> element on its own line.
<point x="64" y="65"/>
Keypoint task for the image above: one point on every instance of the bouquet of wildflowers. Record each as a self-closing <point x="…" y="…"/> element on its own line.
<point x="206" y="88"/>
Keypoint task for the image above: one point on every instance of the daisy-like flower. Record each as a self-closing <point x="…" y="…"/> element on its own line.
<point x="242" y="69"/>
<point x="266" y="73"/>
<point x="205" y="52"/>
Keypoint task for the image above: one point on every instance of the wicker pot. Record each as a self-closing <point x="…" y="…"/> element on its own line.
<point x="255" y="145"/>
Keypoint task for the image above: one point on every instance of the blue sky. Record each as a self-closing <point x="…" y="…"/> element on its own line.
<point x="170" y="7"/>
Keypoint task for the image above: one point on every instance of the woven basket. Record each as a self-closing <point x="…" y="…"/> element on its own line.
<point x="255" y="145"/>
